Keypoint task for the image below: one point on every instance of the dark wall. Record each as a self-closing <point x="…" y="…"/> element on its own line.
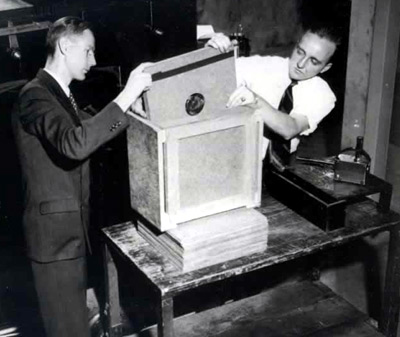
<point x="269" y="24"/>
<point x="10" y="175"/>
<point x="395" y="123"/>
<point x="127" y="32"/>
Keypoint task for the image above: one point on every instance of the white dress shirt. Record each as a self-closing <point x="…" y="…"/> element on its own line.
<point x="64" y="87"/>
<point x="268" y="76"/>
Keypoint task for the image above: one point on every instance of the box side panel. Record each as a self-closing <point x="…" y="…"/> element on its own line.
<point x="211" y="166"/>
<point x="215" y="166"/>
<point x="144" y="171"/>
<point x="168" y="100"/>
<point x="255" y="157"/>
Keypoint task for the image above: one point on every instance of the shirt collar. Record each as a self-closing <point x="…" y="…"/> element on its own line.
<point x="64" y="87"/>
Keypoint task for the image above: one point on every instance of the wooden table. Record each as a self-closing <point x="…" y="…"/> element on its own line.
<point x="290" y="237"/>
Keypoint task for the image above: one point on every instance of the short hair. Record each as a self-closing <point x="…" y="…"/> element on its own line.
<point x="66" y="26"/>
<point x="329" y="32"/>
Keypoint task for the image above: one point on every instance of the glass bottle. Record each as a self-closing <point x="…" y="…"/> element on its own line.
<point x="361" y="155"/>
<point x="242" y="40"/>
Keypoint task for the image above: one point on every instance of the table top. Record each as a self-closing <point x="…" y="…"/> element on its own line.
<point x="290" y="237"/>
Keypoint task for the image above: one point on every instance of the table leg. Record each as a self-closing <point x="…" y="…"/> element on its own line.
<point x="391" y="297"/>
<point x="166" y="317"/>
<point x="113" y="324"/>
<point x="385" y="198"/>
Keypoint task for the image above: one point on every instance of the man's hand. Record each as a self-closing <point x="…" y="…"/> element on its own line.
<point x="242" y="96"/>
<point x="137" y="83"/>
<point x="221" y="42"/>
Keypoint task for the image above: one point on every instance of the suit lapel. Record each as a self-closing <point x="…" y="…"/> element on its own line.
<point x="58" y="93"/>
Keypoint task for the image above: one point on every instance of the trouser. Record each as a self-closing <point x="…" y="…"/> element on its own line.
<point x="61" y="290"/>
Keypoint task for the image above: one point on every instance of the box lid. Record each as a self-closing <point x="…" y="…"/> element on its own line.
<point x="190" y="87"/>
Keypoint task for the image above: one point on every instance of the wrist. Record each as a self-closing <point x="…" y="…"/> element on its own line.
<point x="124" y="101"/>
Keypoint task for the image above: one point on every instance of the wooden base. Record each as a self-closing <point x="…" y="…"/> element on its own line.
<point x="211" y="240"/>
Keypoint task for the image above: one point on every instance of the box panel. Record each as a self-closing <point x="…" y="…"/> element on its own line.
<point x="145" y="170"/>
<point x="211" y="166"/>
<point x="205" y="71"/>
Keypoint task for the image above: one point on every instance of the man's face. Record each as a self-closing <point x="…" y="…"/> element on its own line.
<point x="310" y="57"/>
<point x="80" y="55"/>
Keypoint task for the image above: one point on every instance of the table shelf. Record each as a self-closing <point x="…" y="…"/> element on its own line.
<point x="293" y="309"/>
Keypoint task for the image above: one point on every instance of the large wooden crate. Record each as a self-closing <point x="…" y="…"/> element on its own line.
<point x="184" y="167"/>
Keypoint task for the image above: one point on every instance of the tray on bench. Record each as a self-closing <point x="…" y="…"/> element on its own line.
<point x="311" y="191"/>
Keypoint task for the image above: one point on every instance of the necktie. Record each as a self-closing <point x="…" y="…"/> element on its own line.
<point x="73" y="102"/>
<point x="279" y="148"/>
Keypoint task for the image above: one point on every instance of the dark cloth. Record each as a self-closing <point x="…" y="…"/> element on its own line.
<point x="61" y="290"/>
<point x="54" y="143"/>
<point x="278" y="154"/>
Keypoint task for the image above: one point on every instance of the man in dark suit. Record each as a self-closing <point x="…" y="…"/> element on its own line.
<point x="55" y="140"/>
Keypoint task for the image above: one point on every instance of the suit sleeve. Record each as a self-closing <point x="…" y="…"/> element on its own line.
<point x="42" y="115"/>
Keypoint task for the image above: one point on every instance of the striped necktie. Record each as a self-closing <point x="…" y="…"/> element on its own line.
<point x="279" y="148"/>
<point x="73" y="102"/>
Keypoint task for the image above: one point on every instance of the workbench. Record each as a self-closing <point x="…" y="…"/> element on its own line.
<point x="291" y="237"/>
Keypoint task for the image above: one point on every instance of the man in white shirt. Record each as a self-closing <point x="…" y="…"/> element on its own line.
<point x="263" y="80"/>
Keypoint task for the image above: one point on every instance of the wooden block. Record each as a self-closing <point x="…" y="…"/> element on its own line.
<point x="210" y="240"/>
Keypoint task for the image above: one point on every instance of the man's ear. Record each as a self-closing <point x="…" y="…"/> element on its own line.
<point x="326" y="68"/>
<point x="63" y="44"/>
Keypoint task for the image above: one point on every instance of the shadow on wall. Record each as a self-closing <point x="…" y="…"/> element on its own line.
<point x="270" y="25"/>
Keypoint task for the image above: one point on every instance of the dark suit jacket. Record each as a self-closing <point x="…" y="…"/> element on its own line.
<point x="54" y="145"/>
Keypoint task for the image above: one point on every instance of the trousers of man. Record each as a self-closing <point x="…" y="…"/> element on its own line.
<point x="61" y="290"/>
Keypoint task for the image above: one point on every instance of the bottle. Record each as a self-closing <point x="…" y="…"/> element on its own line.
<point x="357" y="154"/>
<point x="242" y="40"/>
<point x="361" y="156"/>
